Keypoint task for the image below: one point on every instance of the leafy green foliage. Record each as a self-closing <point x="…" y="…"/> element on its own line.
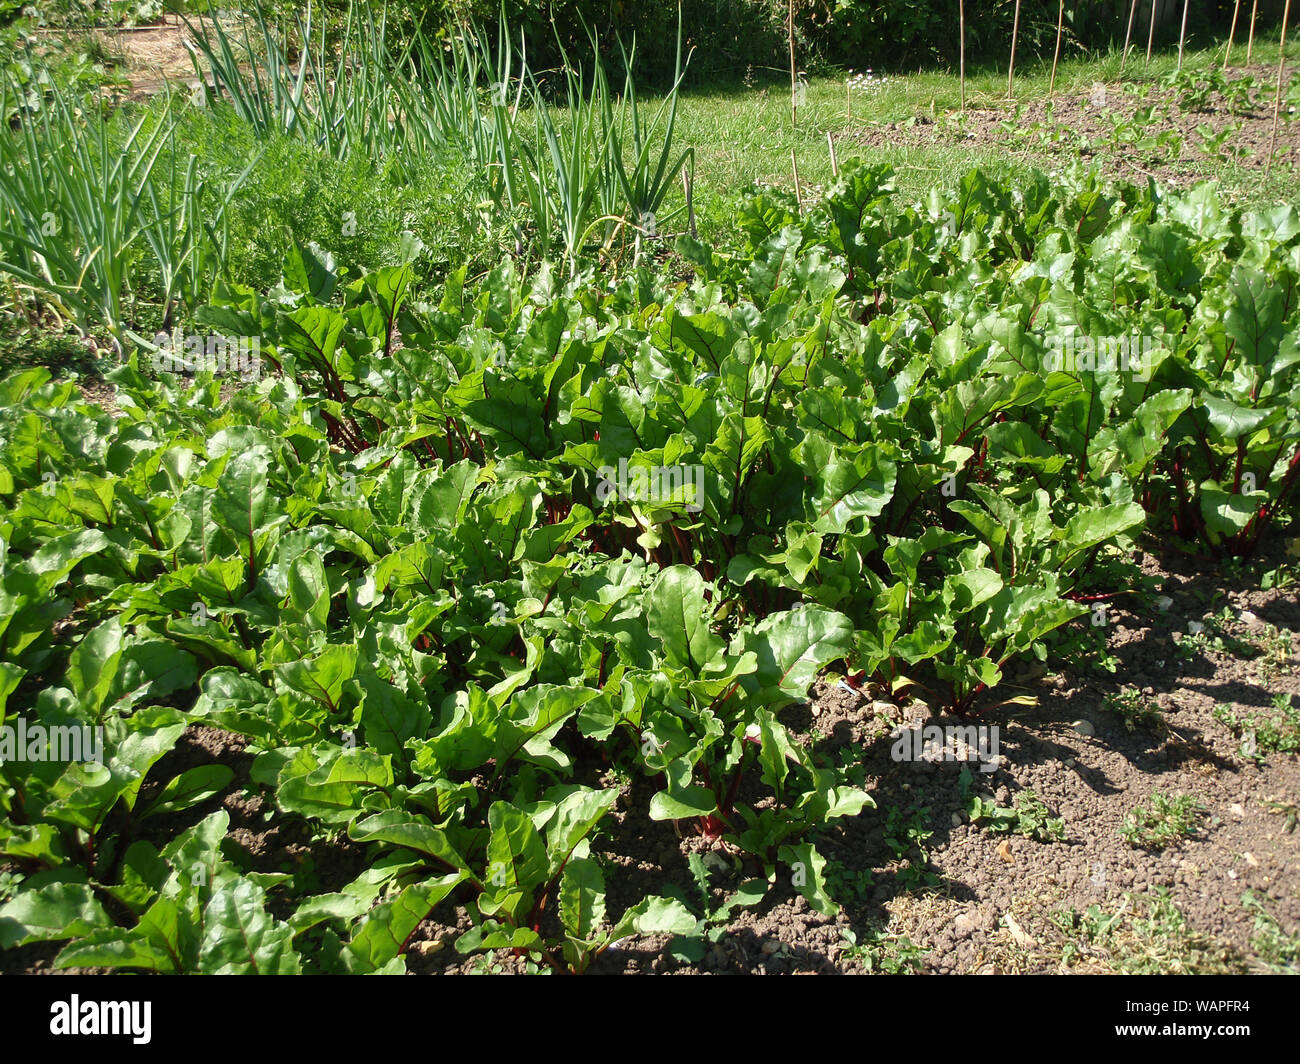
<point x="448" y="561"/>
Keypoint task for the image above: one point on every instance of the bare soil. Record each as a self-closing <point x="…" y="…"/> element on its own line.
<point x="1082" y="125"/>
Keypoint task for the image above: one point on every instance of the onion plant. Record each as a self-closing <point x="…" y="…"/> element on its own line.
<point x="600" y="163"/>
<point x="573" y="157"/>
<point x="89" y="201"/>
<point x="72" y="199"/>
<point x="186" y="228"/>
<point x="653" y="168"/>
<point x="340" y="94"/>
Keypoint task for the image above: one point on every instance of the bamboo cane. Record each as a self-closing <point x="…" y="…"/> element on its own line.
<point x="835" y="166"/>
<point x="794" y="166"/>
<point x="1011" y="67"/>
<point x="794" y="89"/>
<point x="1250" y="44"/>
<point x="961" y="17"/>
<point x="1128" y="35"/>
<point x="1060" y="24"/>
<point x="1182" y="33"/>
<point x="1232" y="30"/>
<point x="1151" y="34"/>
<point x="1277" y="99"/>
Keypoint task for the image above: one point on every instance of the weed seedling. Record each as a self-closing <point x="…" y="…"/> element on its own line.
<point x="905" y="839"/>
<point x="1275" y="731"/>
<point x="1167" y="820"/>
<point x="1277" y="654"/>
<point x="1029" y="816"/>
<point x="1277" y="949"/>
<point x="1289" y="810"/>
<point x="883" y="952"/>
<point x="1212" y="635"/>
<point x="1147" y="935"/>
<point x="847" y="886"/>
<point x="1135" y="710"/>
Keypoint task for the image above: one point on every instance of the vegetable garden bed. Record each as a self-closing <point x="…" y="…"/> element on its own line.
<point x="490" y="625"/>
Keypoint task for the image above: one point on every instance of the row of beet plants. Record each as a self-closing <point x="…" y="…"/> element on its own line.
<point x="486" y="581"/>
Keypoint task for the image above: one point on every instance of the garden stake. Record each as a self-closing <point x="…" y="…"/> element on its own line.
<point x="1128" y="35"/>
<point x="794" y="88"/>
<point x="1151" y="34"/>
<point x="1011" y="67"/>
<point x="1182" y="33"/>
<point x="1060" y="22"/>
<point x="1236" y="10"/>
<point x="1277" y="99"/>
<point x="961" y="17"/>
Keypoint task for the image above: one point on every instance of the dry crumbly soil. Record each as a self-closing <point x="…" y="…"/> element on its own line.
<point x="1083" y="124"/>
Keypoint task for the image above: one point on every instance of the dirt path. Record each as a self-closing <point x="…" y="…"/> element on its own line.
<point x="147" y="57"/>
<point x="155" y="55"/>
